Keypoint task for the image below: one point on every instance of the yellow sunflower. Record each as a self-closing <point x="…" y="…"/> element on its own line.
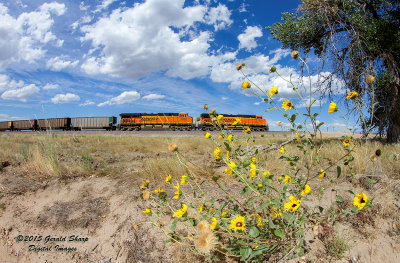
<point x="237" y="223"/>
<point x="228" y="171"/>
<point x="168" y="178"/>
<point x="346" y="141"/>
<point x="230" y="138"/>
<point x="275" y="213"/>
<point x="220" y="137"/>
<point x="207" y="135"/>
<point x="145" y="184"/>
<point x="237" y="121"/>
<point x="322" y="174"/>
<point x="293" y="204"/>
<point x="259" y="221"/>
<point x="307" y="190"/>
<point x="282" y="150"/>
<point x="147" y="211"/>
<point x="273" y="91"/>
<point x="159" y="191"/>
<point x="287" y="105"/>
<point x="214" y="223"/>
<point x="360" y="200"/>
<point x="177" y="192"/>
<point x="332" y="107"/>
<point x="253" y="170"/>
<point x="180" y="212"/>
<point x="247" y="130"/>
<point x="352" y="95"/>
<point x="287" y="180"/>
<point x="232" y="164"/>
<point x="184" y="179"/>
<point x="246" y="85"/>
<point x="217" y="151"/>
<point x="201" y="207"/>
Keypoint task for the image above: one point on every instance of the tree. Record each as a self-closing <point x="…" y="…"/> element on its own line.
<point x="359" y="37"/>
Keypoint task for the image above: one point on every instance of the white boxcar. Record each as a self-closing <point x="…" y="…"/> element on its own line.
<point x="81" y="123"/>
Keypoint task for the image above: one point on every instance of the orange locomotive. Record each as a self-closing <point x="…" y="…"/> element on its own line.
<point x="236" y="122"/>
<point x="173" y="121"/>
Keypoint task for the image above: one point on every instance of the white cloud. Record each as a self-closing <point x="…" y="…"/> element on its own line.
<point x="87" y="103"/>
<point x="260" y="64"/>
<point x="146" y="40"/>
<point x="224" y="98"/>
<point x="242" y="8"/>
<point x="247" y="39"/>
<point x="49" y="86"/>
<point x="21" y="94"/>
<point x="58" y="64"/>
<point x="219" y="17"/>
<point x="6" y="117"/>
<point x="64" y="98"/>
<point x="124" y="97"/>
<point x="153" y="97"/>
<point x="22" y="38"/>
<point x="104" y="5"/>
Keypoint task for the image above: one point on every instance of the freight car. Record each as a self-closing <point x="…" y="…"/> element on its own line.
<point x="79" y="123"/>
<point x="53" y="124"/>
<point x="173" y="121"/>
<point x="5" y="125"/>
<point x="235" y="122"/>
<point x="83" y="123"/>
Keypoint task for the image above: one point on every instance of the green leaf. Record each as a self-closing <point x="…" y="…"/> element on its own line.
<point x="320" y="124"/>
<point x="271" y="109"/>
<point x="246" y="163"/>
<point x="271" y="224"/>
<point x="228" y="147"/>
<point x="220" y="209"/>
<point x="355" y="210"/>
<point x="278" y="233"/>
<point x="339" y="199"/>
<point x="293" y="118"/>
<point x="320" y="208"/>
<point x="289" y="218"/>
<point x="339" y="171"/>
<point x="266" y="99"/>
<point x="245" y="252"/>
<point x="254" y="231"/>
<point x="173" y="225"/>
<point x="351" y="192"/>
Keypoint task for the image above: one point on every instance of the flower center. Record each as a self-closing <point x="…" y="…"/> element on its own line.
<point x="294" y="205"/>
<point x="362" y="201"/>
<point x="239" y="224"/>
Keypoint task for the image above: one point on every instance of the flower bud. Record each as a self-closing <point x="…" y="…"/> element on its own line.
<point x="239" y="66"/>
<point x="295" y="54"/>
<point x="370" y="79"/>
<point x="272" y="69"/>
<point x="172" y="147"/>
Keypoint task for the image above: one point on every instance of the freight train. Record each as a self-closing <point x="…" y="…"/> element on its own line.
<point x="137" y="121"/>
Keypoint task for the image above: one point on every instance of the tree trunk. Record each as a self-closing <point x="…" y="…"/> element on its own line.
<point x="393" y="132"/>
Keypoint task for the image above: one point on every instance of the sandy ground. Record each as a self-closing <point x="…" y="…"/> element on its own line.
<point x="100" y="219"/>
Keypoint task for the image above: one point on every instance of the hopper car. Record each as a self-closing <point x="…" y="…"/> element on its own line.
<point x="79" y="123"/>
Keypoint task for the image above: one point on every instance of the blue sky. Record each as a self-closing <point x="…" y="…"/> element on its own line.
<point x="101" y="58"/>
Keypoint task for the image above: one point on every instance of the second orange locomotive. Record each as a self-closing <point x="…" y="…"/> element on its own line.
<point x="182" y="121"/>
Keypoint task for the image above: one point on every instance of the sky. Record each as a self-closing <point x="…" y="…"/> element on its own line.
<point x="70" y="58"/>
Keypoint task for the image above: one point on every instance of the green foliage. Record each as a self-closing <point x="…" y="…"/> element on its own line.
<point x="361" y="38"/>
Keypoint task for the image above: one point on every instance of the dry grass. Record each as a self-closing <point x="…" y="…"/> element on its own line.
<point x="65" y="155"/>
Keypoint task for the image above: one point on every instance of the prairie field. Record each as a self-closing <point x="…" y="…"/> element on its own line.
<point x="86" y="187"/>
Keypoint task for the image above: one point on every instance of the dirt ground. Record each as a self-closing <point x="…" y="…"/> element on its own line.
<point x="96" y="218"/>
